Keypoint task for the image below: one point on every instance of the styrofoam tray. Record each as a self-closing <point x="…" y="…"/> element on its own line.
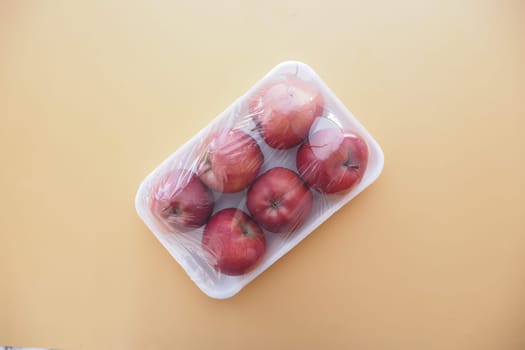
<point x="186" y="249"/>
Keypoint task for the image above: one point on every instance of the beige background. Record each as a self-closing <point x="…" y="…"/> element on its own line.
<point x="94" y="94"/>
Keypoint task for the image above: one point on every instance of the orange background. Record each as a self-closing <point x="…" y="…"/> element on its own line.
<point x="94" y="94"/>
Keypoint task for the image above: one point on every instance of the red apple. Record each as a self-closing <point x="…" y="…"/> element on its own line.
<point x="181" y="200"/>
<point x="235" y="242"/>
<point x="279" y="200"/>
<point x="332" y="161"/>
<point x="285" y="110"/>
<point x="230" y="160"/>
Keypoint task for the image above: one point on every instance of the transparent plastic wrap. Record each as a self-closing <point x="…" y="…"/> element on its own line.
<point x="258" y="179"/>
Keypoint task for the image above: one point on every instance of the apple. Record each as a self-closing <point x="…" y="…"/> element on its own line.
<point x="284" y="111"/>
<point x="181" y="200"/>
<point x="332" y="161"/>
<point x="279" y="200"/>
<point x="234" y="241"/>
<point x="229" y="160"/>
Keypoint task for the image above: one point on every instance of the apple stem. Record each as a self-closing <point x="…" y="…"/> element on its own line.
<point x="350" y="162"/>
<point x="244" y="230"/>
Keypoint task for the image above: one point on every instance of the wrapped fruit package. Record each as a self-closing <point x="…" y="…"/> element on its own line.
<point x="258" y="179"/>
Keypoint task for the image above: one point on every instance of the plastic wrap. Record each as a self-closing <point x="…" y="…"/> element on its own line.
<point x="258" y="179"/>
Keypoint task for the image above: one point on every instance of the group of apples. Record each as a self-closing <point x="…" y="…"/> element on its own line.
<point x="279" y="200"/>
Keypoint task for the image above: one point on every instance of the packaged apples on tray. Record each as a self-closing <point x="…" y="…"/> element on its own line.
<point x="258" y="179"/>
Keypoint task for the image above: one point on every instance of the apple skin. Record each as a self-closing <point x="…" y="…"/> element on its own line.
<point x="181" y="200"/>
<point x="230" y="160"/>
<point x="279" y="200"/>
<point x="235" y="242"/>
<point x="285" y="110"/>
<point x="332" y="161"/>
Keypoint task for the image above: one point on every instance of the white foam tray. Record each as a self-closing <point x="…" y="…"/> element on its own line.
<point x="186" y="249"/>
